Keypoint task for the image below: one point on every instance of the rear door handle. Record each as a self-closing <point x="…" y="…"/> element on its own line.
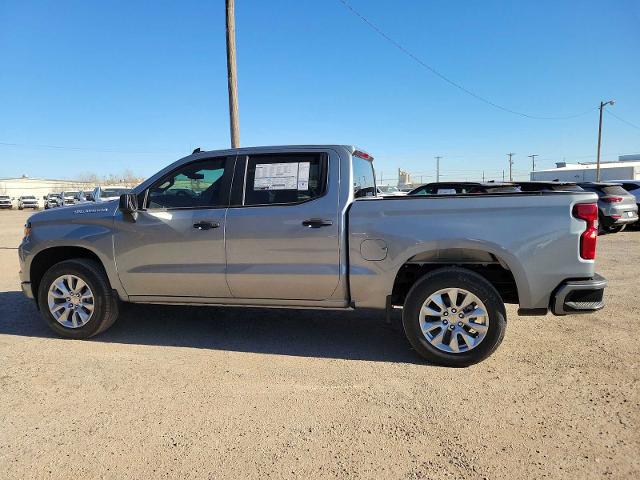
<point x="317" y="223"/>
<point x="206" y="225"/>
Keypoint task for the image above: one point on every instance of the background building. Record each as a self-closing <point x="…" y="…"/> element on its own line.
<point x="626" y="168"/>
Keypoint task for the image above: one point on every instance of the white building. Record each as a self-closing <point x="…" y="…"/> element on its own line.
<point x="626" y="168"/>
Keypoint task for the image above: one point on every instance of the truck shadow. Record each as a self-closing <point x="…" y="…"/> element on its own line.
<point x="306" y="333"/>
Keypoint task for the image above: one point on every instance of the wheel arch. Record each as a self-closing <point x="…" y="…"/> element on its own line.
<point x="497" y="266"/>
<point x="50" y="256"/>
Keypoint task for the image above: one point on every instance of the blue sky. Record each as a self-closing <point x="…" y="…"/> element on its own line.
<point x="139" y="84"/>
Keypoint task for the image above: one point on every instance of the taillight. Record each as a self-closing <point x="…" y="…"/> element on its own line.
<point x="611" y="199"/>
<point x="589" y="213"/>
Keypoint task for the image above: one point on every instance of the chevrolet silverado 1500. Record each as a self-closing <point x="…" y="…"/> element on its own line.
<point x="303" y="227"/>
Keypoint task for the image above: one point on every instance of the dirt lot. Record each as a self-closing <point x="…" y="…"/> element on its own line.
<point x="173" y="392"/>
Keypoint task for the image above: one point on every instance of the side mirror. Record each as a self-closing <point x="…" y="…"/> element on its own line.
<point x="128" y="203"/>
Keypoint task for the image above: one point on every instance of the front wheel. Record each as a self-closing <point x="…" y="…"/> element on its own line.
<point x="76" y="300"/>
<point x="454" y="317"/>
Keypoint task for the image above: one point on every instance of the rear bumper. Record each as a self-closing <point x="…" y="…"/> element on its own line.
<point x="579" y="296"/>
<point x="624" y="220"/>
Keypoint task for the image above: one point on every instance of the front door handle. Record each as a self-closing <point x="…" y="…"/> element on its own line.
<point x="206" y="225"/>
<point x="317" y="223"/>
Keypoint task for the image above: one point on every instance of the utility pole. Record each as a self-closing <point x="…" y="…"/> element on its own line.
<point x="438" y="169"/>
<point x="232" y="75"/>
<point x="482" y="176"/>
<point x="533" y="162"/>
<point x="510" y="166"/>
<point x="602" y="105"/>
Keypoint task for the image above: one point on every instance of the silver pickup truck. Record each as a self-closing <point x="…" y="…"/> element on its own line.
<point x="303" y="227"/>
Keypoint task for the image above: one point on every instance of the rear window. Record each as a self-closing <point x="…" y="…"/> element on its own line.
<point x="363" y="178"/>
<point x="613" y="190"/>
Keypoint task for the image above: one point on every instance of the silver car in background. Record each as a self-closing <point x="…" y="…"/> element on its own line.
<point x="104" y="194"/>
<point x="5" y="202"/>
<point x="28" y="201"/>
<point x="52" y="200"/>
<point x="616" y="207"/>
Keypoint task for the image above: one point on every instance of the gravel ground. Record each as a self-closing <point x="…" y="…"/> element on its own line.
<point x="175" y="392"/>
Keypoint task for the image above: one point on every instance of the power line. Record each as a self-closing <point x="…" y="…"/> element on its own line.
<point x="415" y="58"/>
<point x="82" y="149"/>
<point x="622" y="119"/>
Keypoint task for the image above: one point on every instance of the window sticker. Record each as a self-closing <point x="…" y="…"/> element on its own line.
<point x="282" y="176"/>
<point x="303" y="175"/>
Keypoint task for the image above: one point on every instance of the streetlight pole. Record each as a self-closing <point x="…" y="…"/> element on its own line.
<point x="533" y="161"/>
<point x="510" y="166"/>
<point x="232" y="75"/>
<point x="438" y="169"/>
<point x="602" y="105"/>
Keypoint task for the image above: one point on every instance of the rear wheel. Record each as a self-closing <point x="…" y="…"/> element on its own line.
<point x="76" y="300"/>
<point x="454" y="317"/>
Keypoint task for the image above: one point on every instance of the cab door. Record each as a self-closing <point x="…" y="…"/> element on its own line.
<point x="175" y="246"/>
<point x="282" y="234"/>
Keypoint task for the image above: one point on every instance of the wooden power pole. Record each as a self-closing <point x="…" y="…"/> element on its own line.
<point x="232" y="75"/>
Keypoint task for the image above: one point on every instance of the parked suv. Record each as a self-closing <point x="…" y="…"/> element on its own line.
<point x="28" y="201"/>
<point x="5" y="201"/>
<point x="617" y="208"/>
<point x="105" y="194"/>
<point x="550" y="186"/>
<point x="453" y="188"/>
<point x="52" y="200"/>
<point x="71" y="198"/>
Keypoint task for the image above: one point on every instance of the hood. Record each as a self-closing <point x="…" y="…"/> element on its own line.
<point x="75" y="213"/>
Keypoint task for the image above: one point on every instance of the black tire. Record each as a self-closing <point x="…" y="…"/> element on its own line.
<point x="105" y="310"/>
<point x="453" y="277"/>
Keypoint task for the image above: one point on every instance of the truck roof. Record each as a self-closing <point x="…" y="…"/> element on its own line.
<point x="260" y="149"/>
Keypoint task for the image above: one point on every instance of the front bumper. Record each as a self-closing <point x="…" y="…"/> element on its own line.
<point x="579" y="296"/>
<point x="26" y="289"/>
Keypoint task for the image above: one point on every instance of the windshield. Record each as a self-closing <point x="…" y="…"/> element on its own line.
<point x="29" y="197"/>
<point x="388" y="189"/>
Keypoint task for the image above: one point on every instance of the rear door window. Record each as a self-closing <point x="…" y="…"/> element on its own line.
<point x="285" y="179"/>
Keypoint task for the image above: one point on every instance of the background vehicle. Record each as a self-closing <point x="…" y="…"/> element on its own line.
<point x="550" y="186"/>
<point x="71" y="198"/>
<point x="28" y="201"/>
<point x="631" y="186"/>
<point x="104" y="194"/>
<point x="52" y="200"/>
<point x="617" y="207"/>
<point x="5" y="202"/>
<point x="389" y="191"/>
<point x="453" y="188"/>
<point x="301" y="227"/>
